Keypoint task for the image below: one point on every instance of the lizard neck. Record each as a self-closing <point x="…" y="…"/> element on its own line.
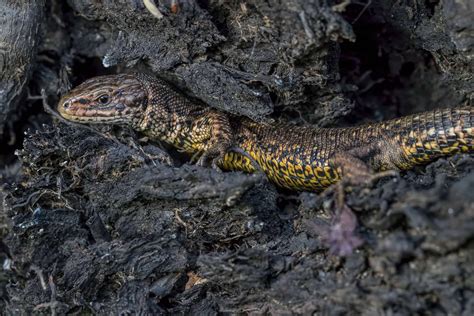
<point x="168" y="116"/>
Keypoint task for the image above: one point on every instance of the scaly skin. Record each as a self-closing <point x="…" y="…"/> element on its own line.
<point x="293" y="157"/>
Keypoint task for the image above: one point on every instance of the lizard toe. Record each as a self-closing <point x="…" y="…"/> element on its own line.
<point x="216" y="162"/>
<point x="202" y="161"/>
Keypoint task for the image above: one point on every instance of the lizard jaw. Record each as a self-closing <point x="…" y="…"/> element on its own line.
<point x="92" y="119"/>
<point x="91" y="115"/>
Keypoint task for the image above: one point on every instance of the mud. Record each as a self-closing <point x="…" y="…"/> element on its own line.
<point x="104" y="221"/>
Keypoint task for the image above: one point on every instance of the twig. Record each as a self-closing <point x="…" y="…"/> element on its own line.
<point x="151" y="6"/>
<point x="369" y="2"/>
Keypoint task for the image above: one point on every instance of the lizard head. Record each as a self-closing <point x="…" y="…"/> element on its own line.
<point x="105" y="99"/>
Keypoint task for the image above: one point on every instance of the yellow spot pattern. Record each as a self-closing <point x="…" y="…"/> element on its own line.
<point x="310" y="177"/>
<point x="421" y="138"/>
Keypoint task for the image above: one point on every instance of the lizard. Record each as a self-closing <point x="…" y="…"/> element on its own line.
<point x="299" y="158"/>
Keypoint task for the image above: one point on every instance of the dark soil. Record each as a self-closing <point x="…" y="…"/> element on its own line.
<point x="103" y="221"/>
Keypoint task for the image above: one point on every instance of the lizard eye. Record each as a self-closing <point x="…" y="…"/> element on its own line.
<point x="104" y="99"/>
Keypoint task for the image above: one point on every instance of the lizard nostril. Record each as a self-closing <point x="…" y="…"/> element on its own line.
<point x="66" y="104"/>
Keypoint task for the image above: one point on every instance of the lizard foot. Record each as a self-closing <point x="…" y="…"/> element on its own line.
<point x="341" y="237"/>
<point x="213" y="158"/>
<point x="339" y="234"/>
<point x="382" y="174"/>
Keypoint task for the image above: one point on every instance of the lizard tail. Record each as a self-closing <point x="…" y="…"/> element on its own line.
<point x="426" y="136"/>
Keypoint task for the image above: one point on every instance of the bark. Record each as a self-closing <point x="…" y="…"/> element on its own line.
<point x="20" y="24"/>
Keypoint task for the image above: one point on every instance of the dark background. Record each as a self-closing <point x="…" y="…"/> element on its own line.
<point x="103" y="222"/>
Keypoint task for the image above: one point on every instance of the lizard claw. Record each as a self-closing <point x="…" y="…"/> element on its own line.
<point x="202" y="161"/>
<point x="382" y="174"/>
<point x="215" y="163"/>
<point x="194" y="157"/>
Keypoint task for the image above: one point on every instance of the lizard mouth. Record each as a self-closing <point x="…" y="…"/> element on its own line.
<point x="91" y="115"/>
<point x="92" y="118"/>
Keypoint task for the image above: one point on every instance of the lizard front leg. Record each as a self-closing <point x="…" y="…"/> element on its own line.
<point x="220" y="139"/>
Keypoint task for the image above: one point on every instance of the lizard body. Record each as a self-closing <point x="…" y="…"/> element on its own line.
<point x="293" y="157"/>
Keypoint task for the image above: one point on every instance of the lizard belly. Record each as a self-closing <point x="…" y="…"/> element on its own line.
<point x="285" y="171"/>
